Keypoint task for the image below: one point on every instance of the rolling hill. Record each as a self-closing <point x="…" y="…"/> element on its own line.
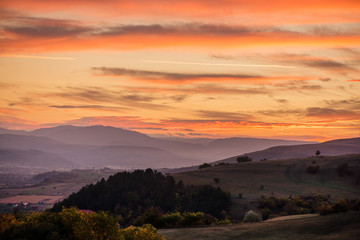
<point x="280" y="178"/>
<point x="329" y="148"/>
<point x="101" y="146"/>
<point x="199" y="151"/>
<point x="33" y="159"/>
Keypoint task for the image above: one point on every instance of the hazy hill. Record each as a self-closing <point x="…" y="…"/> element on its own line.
<point x="93" y="135"/>
<point x="128" y="157"/>
<point x="230" y="146"/>
<point x="88" y="156"/>
<point x="200" y="150"/>
<point x="33" y="159"/>
<point x="7" y="131"/>
<point x="26" y="142"/>
<point x="330" y="148"/>
<point x="100" y="146"/>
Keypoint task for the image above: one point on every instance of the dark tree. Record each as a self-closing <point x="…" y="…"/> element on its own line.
<point x="317" y="153"/>
<point x="204" y="165"/>
<point x="243" y="159"/>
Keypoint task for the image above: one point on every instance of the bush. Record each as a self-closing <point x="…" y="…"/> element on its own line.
<point x="252" y="216"/>
<point x="325" y="209"/>
<point x="341" y="206"/>
<point x="204" y="165"/>
<point x="243" y="159"/>
<point x="147" y="232"/>
<point x="343" y="169"/>
<point x="313" y="169"/>
<point x="71" y="224"/>
<point x="265" y="213"/>
<point x="192" y="219"/>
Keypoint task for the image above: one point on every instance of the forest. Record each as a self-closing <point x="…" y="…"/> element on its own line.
<point x="134" y="196"/>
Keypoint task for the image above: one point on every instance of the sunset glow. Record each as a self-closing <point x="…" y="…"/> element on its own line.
<point x="289" y="69"/>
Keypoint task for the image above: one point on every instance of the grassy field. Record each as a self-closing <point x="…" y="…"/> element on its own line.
<point x="279" y="178"/>
<point x="331" y="227"/>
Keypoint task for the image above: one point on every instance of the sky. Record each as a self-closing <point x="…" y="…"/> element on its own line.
<point x="179" y="68"/>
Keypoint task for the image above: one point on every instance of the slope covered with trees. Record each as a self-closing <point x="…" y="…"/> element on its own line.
<point x="132" y="194"/>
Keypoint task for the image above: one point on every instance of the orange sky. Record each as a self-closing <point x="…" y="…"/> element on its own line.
<point x="289" y="69"/>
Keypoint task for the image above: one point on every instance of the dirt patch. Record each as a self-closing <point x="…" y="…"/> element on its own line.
<point x="291" y="217"/>
<point x="47" y="199"/>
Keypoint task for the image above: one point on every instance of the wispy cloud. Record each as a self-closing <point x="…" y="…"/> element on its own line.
<point x="221" y="115"/>
<point x="40" y="57"/>
<point x="331" y="113"/>
<point x="170" y="76"/>
<point x="102" y="95"/>
<point x="220" y="64"/>
<point x="95" y="107"/>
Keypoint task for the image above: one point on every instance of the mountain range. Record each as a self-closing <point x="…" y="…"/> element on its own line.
<point x="103" y="146"/>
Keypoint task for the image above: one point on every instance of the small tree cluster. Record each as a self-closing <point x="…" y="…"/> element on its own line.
<point x="342" y="205"/>
<point x="244" y="158"/>
<point x="222" y="164"/>
<point x="292" y="205"/>
<point x="204" y="165"/>
<point x="155" y="217"/>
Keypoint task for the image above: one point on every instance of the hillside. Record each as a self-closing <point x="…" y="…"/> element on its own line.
<point x="280" y="178"/>
<point x="127" y="157"/>
<point x="198" y="150"/>
<point x="88" y="156"/>
<point x="101" y="146"/>
<point x="335" y="226"/>
<point x="33" y="159"/>
<point x="330" y="148"/>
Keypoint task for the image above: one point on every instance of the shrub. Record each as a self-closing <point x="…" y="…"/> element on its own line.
<point x="243" y="159"/>
<point x="216" y="180"/>
<point x="265" y="213"/>
<point x="341" y="206"/>
<point x="356" y="205"/>
<point x="191" y="218"/>
<point x="71" y="224"/>
<point x="252" y="216"/>
<point x="325" y="209"/>
<point x="171" y="219"/>
<point x="313" y="169"/>
<point x="222" y="164"/>
<point x="147" y="232"/>
<point x="343" y="169"/>
<point x="222" y="222"/>
<point x="204" y="165"/>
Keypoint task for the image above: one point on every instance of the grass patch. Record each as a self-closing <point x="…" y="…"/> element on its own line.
<point x="334" y="226"/>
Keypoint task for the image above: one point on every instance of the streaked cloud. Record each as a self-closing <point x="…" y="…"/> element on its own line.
<point x="171" y="76"/>
<point x="331" y="113"/>
<point x="40" y="57"/>
<point x="95" y="107"/>
<point x="103" y="95"/>
<point x="220" y="115"/>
